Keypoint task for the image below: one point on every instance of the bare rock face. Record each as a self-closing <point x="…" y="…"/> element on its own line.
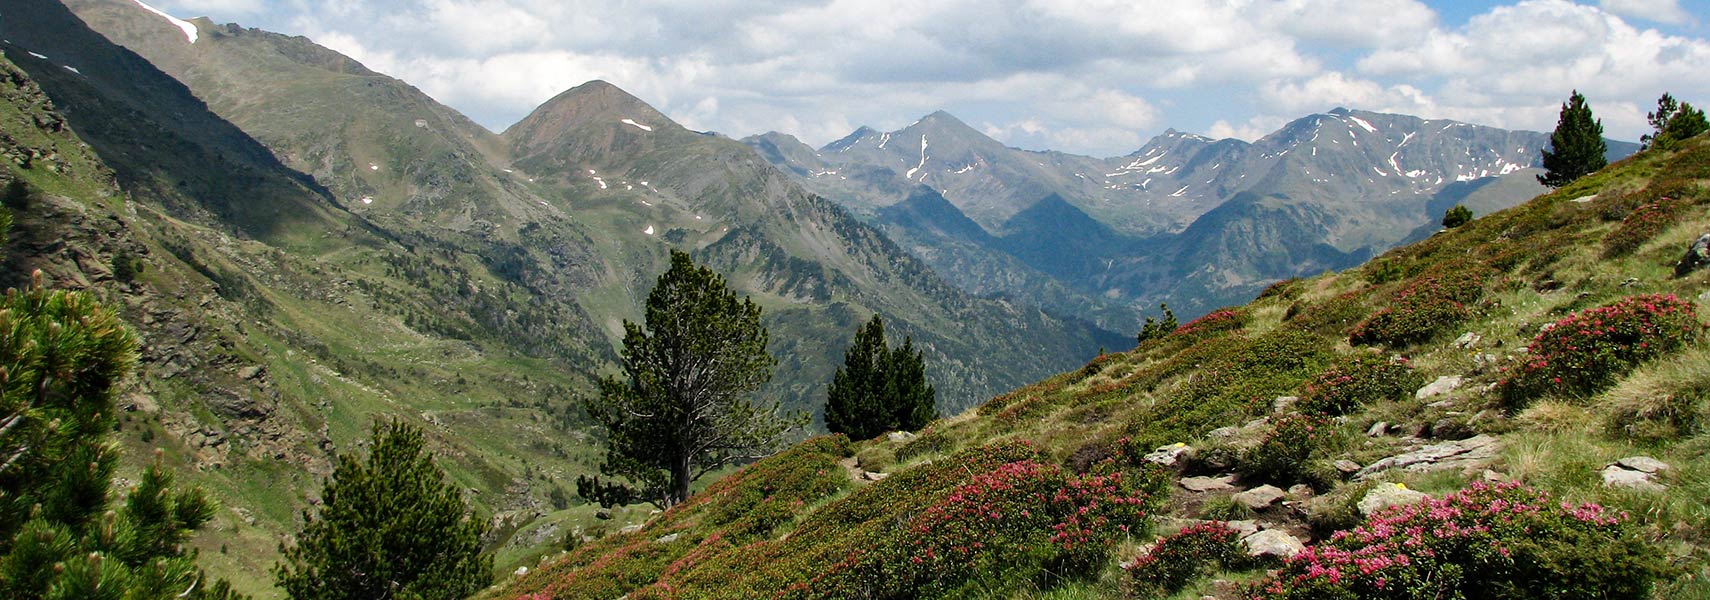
<point x="1473" y="452"/>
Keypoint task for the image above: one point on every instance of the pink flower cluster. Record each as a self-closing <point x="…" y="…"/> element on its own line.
<point x="1475" y="533"/>
<point x="1586" y="351"/>
<point x="1214" y="321"/>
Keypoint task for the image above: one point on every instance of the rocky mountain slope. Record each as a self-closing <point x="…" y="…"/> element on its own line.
<point x="1325" y="191"/>
<point x="1502" y="404"/>
<point x="579" y="201"/>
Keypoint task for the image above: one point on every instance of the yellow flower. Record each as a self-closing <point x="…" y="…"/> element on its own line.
<point x="1401" y="486"/>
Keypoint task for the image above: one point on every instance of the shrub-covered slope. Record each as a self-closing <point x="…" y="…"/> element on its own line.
<point x="1527" y="394"/>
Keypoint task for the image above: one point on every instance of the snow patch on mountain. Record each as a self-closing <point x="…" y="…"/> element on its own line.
<point x="1363" y="124"/>
<point x="637" y="125"/>
<point x="922" y="164"/>
<point x="189" y="28"/>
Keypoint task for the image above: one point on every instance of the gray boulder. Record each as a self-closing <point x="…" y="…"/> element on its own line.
<point x="1443" y="385"/>
<point x="1221" y="483"/>
<point x="1643" y="464"/>
<point x="1386" y="495"/>
<point x="1273" y="543"/>
<point x="1259" y="498"/>
<point x="1169" y="455"/>
<point x="1697" y="256"/>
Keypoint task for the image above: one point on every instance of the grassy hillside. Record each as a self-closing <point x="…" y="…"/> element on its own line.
<point x="1524" y="358"/>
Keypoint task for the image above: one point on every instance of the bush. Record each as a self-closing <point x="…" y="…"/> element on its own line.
<point x="1238" y="381"/>
<point x="1485" y="542"/>
<point x="1588" y="351"/>
<point x="1432" y="303"/>
<point x="1017" y="521"/>
<point x="1189" y="554"/>
<point x="1287" y="289"/>
<point x="1331" y="317"/>
<point x="1356" y="381"/>
<point x="1457" y="216"/>
<point x="1639" y="226"/>
<point x="1214" y="322"/>
<point x="1283" y="455"/>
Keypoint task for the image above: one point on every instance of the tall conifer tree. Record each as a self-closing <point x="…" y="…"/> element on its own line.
<point x="879" y="389"/>
<point x="1674" y="121"/>
<point x="1576" y="148"/>
<point x="682" y="409"/>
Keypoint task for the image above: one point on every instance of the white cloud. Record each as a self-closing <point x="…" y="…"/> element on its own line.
<point x="1357" y="23"/>
<point x="1253" y="129"/>
<point x="186" y="9"/>
<point x="1512" y="66"/>
<point x="1661" y="11"/>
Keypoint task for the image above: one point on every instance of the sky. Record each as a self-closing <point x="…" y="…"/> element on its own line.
<point x="1097" y="77"/>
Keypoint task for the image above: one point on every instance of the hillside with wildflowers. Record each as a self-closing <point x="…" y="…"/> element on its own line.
<point x="1514" y="408"/>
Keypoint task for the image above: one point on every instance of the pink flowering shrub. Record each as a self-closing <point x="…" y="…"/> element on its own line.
<point x="1185" y="556"/>
<point x="1485" y="542"/>
<point x="1017" y="521"/>
<point x="1589" y="350"/>
<point x="1640" y="225"/>
<point x="1432" y="303"/>
<point x="1356" y="381"/>
<point x="1217" y="321"/>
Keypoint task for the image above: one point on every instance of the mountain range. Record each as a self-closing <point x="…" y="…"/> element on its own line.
<point x="1195" y="222"/>
<point x="320" y="243"/>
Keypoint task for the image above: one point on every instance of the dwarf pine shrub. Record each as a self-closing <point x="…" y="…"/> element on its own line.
<point x="1293" y="442"/>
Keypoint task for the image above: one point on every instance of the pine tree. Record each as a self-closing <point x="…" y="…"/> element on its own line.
<point x="682" y="410"/>
<point x="389" y="526"/>
<point x="879" y="389"/>
<point x="1456" y="216"/>
<point x="61" y="355"/>
<point x="1158" y="328"/>
<point x="913" y="401"/>
<point x="1576" y="148"/>
<point x="1674" y="121"/>
<point x="852" y="404"/>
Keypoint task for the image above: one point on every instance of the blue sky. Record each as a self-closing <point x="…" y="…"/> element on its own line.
<point x="1086" y="76"/>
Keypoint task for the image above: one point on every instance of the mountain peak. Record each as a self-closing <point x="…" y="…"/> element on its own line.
<point x="943" y="123"/>
<point x="597" y="103"/>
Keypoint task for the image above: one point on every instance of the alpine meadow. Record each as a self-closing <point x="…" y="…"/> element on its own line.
<point x="528" y="300"/>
